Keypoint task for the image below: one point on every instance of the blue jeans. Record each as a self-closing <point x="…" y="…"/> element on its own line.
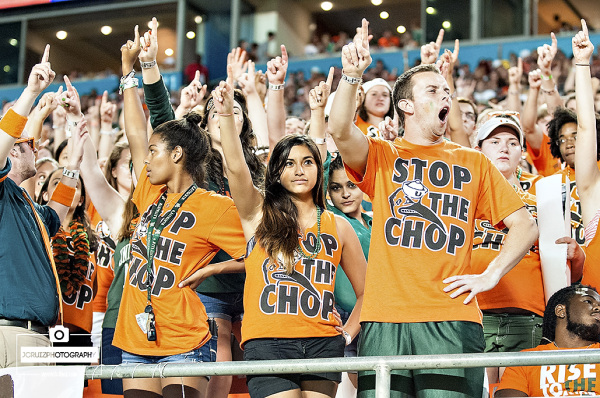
<point x="206" y="353"/>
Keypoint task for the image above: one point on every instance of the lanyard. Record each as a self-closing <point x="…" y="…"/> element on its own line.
<point x="154" y="232"/>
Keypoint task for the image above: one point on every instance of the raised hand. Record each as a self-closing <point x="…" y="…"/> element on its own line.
<point x="193" y="93"/>
<point x="237" y="59"/>
<point x="70" y="101"/>
<point x="277" y="67"/>
<point x="535" y="79"/>
<point x="431" y="50"/>
<point x="582" y="46"/>
<point x="317" y="97"/>
<point x="260" y="82"/>
<point x="149" y="43"/>
<point x="130" y="52"/>
<point x="78" y="138"/>
<point x="107" y="110"/>
<point x="515" y="73"/>
<point x="41" y="74"/>
<point x="247" y="81"/>
<point x="46" y="105"/>
<point x="546" y="55"/>
<point x="388" y="128"/>
<point x="223" y="98"/>
<point x="356" y="56"/>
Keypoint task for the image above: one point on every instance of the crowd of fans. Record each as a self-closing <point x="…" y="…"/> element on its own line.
<point x="162" y="220"/>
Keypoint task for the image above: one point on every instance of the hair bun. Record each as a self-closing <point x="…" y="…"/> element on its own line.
<point x="193" y="117"/>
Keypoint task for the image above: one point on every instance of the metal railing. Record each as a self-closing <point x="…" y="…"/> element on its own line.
<point x="381" y="365"/>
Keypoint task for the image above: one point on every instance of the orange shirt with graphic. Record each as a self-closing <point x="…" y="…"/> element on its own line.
<point x="542" y="159"/>
<point x="522" y="287"/>
<point x="78" y="307"/>
<point x="278" y="305"/>
<point x="553" y="380"/>
<point x="205" y="223"/>
<point x="528" y="180"/>
<point x="367" y="128"/>
<point x="425" y="203"/>
<point x="104" y="254"/>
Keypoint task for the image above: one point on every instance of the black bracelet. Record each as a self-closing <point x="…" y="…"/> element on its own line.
<point x="582" y="64"/>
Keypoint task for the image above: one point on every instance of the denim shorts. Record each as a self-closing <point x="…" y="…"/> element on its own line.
<point x="302" y="348"/>
<point x="204" y="353"/>
<point x="228" y="306"/>
<point x="351" y="349"/>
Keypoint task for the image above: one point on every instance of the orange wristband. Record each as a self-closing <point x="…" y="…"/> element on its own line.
<point x="63" y="194"/>
<point x="12" y="123"/>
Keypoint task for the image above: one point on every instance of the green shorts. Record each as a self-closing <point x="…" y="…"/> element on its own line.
<point x="511" y="333"/>
<point x="427" y="338"/>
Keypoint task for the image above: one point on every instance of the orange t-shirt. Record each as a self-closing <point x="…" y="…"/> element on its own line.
<point x="367" y="128"/>
<point x="522" y="287"/>
<point x="425" y="203"/>
<point x="528" y="181"/>
<point x="544" y="162"/>
<point x="591" y="267"/>
<point x="205" y="223"/>
<point x="553" y="380"/>
<point x="278" y="305"/>
<point x="104" y="254"/>
<point x="78" y="307"/>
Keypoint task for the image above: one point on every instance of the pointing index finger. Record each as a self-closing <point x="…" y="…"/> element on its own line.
<point x="154" y="26"/>
<point x="330" y="77"/>
<point x="520" y="65"/>
<point x="284" y="55"/>
<point x="104" y="98"/>
<point x="554" y="43"/>
<point x="440" y="39"/>
<point x="584" y="28"/>
<point x="46" y="55"/>
<point x="136" y="35"/>
<point x="365" y="31"/>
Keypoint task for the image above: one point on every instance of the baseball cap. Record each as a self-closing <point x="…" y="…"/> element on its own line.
<point x="376" y="82"/>
<point x="497" y="120"/>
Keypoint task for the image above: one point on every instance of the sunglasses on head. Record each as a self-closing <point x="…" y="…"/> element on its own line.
<point x="29" y="140"/>
<point x="515" y="116"/>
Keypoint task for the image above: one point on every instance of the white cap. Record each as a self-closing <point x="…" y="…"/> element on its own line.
<point x="376" y="82"/>
<point x="488" y="127"/>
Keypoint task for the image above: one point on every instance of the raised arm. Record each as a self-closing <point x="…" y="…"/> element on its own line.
<point x="276" y="71"/>
<point x="256" y="110"/>
<point x="246" y="196"/>
<point x="533" y="135"/>
<point x="155" y="92"/>
<point x="12" y="124"/>
<point x="107" y="135"/>
<point x="455" y="123"/>
<point x="317" y="99"/>
<point x="522" y="233"/>
<point x="46" y="105"/>
<point x="515" y="73"/>
<point x="350" y="141"/>
<point x="546" y="55"/>
<point x="431" y="50"/>
<point x="105" y="198"/>
<point x="135" y="119"/>
<point x="588" y="176"/>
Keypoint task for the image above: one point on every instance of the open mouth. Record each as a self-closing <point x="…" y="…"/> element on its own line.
<point x="443" y="115"/>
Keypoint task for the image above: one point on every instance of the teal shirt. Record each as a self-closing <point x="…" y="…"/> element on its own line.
<point x="343" y="291"/>
<point x="113" y="297"/>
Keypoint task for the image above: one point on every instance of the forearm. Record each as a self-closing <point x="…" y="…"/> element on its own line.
<point x="551" y="95"/>
<point x="135" y="128"/>
<point x="62" y="209"/>
<point x="456" y="127"/>
<point x="35" y="121"/>
<point x="528" y="120"/>
<point x="316" y="131"/>
<point x="522" y="234"/>
<point x="352" y="325"/>
<point x="513" y="98"/>
<point x="226" y="267"/>
<point x="159" y="102"/>
<point x="586" y="154"/>
<point x="258" y="117"/>
<point x="275" y="116"/>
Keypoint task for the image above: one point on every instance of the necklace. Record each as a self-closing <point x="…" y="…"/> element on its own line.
<point x="519" y="172"/>
<point x="300" y="250"/>
<point x="170" y="202"/>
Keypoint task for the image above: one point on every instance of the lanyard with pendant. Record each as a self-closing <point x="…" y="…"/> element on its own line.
<point x="152" y="240"/>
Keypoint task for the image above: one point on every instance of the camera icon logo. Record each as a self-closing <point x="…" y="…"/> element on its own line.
<point x="59" y="334"/>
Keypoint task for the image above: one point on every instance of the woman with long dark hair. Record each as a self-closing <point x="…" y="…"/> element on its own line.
<point x="294" y="247"/>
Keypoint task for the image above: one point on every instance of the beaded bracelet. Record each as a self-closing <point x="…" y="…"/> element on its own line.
<point x="549" y="77"/>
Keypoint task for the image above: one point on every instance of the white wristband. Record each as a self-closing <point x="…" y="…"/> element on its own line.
<point x="319" y="141"/>
<point x="347" y="337"/>
<point x="74" y="174"/>
<point x="276" y="87"/>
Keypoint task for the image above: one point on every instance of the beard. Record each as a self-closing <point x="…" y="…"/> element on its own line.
<point x="585" y="332"/>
